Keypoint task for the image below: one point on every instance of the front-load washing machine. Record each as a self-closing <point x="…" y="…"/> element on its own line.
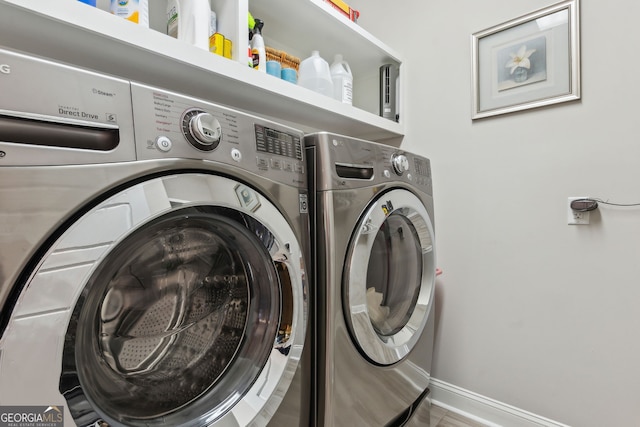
<point x="153" y="252"/>
<point x="374" y="275"/>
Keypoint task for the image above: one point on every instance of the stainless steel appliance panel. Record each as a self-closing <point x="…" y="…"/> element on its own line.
<point x="373" y="206"/>
<point x="125" y="237"/>
<point x="53" y="114"/>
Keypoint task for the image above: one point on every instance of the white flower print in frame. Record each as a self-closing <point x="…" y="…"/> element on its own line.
<point x="529" y="62"/>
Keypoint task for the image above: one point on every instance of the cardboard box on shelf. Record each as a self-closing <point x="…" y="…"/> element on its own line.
<point x="344" y="9"/>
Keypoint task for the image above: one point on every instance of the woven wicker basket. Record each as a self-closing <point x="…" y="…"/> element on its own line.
<point x="285" y="60"/>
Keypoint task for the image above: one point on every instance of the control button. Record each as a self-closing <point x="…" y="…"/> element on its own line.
<point x="276" y="164"/>
<point x="410" y="177"/>
<point x="262" y="163"/>
<point x="236" y="155"/>
<point x="205" y="129"/>
<point x="288" y="167"/>
<point x="164" y="144"/>
<point x="201" y="129"/>
<point x="299" y="168"/>
<point x="386" y="173"/>
<point x="400" y="163"/>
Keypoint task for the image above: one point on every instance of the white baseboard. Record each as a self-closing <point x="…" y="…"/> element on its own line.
<point x="483" y="409"/>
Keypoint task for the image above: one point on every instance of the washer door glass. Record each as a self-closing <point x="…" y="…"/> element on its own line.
<point x="180" y="300"/>
<point x="389" y="277"/>
<point x="170" y="311"/>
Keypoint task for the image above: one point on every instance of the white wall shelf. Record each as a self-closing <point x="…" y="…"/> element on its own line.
<point x="75" y="33"/>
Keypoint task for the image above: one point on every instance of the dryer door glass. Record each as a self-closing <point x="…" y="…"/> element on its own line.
<point x="390" y="272"/>
<point x="394" y="275"/>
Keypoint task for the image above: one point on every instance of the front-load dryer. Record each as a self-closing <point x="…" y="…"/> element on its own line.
<point x="153" y="252"/>
<point x="374" y="272"/>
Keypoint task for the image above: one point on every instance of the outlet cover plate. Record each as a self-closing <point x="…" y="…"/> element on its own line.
<point x="575" y="217"/>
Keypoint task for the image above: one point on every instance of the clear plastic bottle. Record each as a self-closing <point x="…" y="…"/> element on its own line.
<point x="314" y="74"/>
<point x="342" y="80"/>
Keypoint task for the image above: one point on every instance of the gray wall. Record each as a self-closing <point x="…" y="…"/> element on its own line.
<point x="533" y="312"/>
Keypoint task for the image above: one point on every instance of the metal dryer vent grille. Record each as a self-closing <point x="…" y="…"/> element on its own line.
<point x="386" y="76"/>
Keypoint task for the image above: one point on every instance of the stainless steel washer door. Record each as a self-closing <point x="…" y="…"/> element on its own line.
<point x="190" y="311"/>
<point x="389" y="277"/>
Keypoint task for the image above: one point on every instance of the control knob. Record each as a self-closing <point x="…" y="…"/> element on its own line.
<point x="201" y="129"/>
<point x="400" y="163"/>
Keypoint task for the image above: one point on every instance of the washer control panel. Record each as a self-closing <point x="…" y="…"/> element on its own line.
<point x="171" y="125"/>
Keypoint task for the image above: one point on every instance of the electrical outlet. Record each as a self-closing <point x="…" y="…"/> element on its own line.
<point x="575" y="217"/>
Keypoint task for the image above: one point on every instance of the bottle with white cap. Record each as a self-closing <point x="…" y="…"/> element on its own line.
<point x="342" y="80"/>
<point x="258" y="50"/>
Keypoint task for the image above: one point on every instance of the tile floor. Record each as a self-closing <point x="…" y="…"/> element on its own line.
<point x="441" y="417"/>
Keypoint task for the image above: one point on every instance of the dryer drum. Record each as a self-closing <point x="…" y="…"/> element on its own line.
<point x="173" y="314"/>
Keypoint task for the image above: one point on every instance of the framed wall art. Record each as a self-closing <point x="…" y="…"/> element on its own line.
<point x="528" y="62"/>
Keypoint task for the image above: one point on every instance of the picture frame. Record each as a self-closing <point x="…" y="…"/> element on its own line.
<point x="528" y="62"/>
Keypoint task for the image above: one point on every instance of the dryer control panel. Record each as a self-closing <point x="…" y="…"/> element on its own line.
<point x="359" y="163"/>
<point x="410" y="167"/>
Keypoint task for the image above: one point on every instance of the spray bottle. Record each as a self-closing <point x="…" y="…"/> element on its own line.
<point x="252" y="24"/>
<point x="258" y="50"/>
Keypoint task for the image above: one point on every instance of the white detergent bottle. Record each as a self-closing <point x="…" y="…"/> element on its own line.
<point x="342" y="80"/>
<point x="133" y="10"/>
<point x="172" y="18"/>
<point x="314" y="74"/>
<point x="190" y="21"/>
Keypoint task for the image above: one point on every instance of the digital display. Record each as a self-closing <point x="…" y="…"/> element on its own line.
<point x="273" y="141"/>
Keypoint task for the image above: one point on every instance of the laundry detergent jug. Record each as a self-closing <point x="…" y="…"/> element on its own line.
<point x="314" y="74"/>
<point x="190" y="21"/>
<point x="342" y="80"/>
